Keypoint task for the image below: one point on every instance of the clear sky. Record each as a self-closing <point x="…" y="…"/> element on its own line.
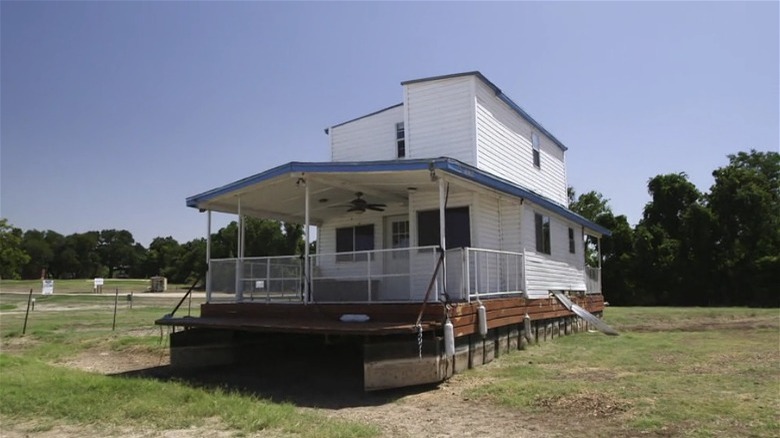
<point x="113" y="113"/>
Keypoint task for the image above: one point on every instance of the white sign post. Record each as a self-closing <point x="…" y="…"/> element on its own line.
<point x="48" y="287"/>
<point x="98" y="285"/>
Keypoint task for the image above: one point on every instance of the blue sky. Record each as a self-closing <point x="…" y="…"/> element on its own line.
<point x="111" y="114"/>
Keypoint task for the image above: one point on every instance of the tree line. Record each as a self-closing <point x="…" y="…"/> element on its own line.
<point x="115" y="253"/>
<point x="690" y="248"/>
<point x="718" y="248"/>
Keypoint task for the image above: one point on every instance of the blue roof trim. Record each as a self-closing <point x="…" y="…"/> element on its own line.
<point x="368" y="115"/>
<point x="481" y="177"/>
<point x="304" y="167"/>
<point x="500" y="94"/>
<point x="446" y="164"/>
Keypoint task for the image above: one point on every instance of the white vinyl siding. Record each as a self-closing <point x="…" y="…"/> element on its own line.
<point x="488" y="224"/>
<point x="504" y="148"/>
<point x="367" y="139"/>
<point x="326" y="244"/>
<point x="511" y="225"/>
<point x="560" y="270"/>
<point x="441" y="119"/>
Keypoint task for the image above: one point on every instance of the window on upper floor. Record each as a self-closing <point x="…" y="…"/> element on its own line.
<point x="400" y="142"/>
<point x="542" y="233"/>
<point x="572" y="246"/>
<point x="351" y="239"/>
<point x="536" y="144"/>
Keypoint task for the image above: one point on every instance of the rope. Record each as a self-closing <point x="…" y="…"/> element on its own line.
<point x="430" y="287"/>
<point x="418" y="323"/>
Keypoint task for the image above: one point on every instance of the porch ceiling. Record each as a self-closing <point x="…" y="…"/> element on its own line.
<point x="279" y="193"/>
<point x="282" y="197"/>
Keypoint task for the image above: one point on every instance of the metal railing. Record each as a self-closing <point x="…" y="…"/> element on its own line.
<point x="269" y="279"/>
<point x="383" y="275"/>
<point x="375" y="276"/>
<point x="592" y="280"/>
<point x="484" y="273"/>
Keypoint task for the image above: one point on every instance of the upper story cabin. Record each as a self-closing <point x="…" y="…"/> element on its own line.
<point x="462" y="116"/>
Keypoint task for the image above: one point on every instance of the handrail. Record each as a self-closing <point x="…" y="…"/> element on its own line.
<point x="430" y="287"/>
<point x="181" y="301"/>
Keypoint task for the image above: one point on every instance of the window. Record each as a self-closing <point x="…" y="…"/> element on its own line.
<point x="542" y="233"/>
<point x="351" y="239"/>
<point x="572" y="247"/>
<point x="399" y="140"/>
<point x="456" y="222"/>
<point x="536" y="145"/>
<point x="399" y="238"/>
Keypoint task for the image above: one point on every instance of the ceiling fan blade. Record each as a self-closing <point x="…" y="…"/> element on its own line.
<point x="375" y="207"/>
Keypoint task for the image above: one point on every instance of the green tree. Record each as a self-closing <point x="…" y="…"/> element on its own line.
<point x="192" y="262"/>
<point x="616" y="250"/>
<point x="745" y="203"/>
<point x="162" y="258"/>
<point x="85" y="246"/>
<point x="38" y="247"/>
<point x="662" y="248"/>
<point x="117" y="251"/>
<point x="262" y="237"/>
<point x="12" y="255"/>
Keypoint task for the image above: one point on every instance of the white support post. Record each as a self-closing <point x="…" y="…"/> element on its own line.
<point x="306" y="259"/>
<point x="466" y="274"/>
<point x="412" y="235"/>
<point x="443" y="232"/>
<point x="368" y="274"/>
<point x="208" y="256"/>
<point x="598" y="240"/>
<point x="240" y="255"/>
<point x="525" y="277"/>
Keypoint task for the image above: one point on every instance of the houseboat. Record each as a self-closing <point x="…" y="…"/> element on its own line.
<point x="442" y="233"/>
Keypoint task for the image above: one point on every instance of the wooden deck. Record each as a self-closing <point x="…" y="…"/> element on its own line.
<point x="385" y="319"/>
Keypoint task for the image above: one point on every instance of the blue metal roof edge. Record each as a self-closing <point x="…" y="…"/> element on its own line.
<point x="504" y="98"/>
<point x="303" y="167"/>
<point x="447" y="164"/>
<point x="481" y="177"/>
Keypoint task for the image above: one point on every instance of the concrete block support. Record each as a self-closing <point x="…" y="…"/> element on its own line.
<point x="200" y="348"/>
<point x="476" y="350"/>
<point x="514" y="337"/>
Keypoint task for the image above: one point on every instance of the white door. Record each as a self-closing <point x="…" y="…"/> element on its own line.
<point x="395" y="285"/>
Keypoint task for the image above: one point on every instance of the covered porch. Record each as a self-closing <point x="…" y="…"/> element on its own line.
<point x="397" y="231"/>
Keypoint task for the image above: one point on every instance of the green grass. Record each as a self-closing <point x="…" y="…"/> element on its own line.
<point x="85" y="285"/>
<point x="702" y="372"/>
<point x="63" y="325"/>
<point x="33" y="389"/>
<point x="38" y="393"/>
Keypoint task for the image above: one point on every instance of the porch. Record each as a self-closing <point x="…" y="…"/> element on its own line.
<point x="395" y="275"/>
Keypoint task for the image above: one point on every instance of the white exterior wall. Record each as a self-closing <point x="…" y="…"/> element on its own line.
<point x="497" y="222"/>
<point x="504" y="149"/>
<point x="511" y="225"/>
<point x="367" y="139"/>
<point x="326" y="265"/>
<point x="560" y="270"/>
<point x="462" y="118"/>
<point x="440" y="119"/>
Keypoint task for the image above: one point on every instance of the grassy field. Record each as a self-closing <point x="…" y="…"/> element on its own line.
<point x="672" y="372"/>
<point x="85" y="286"/>
<point x="38" y="393"/>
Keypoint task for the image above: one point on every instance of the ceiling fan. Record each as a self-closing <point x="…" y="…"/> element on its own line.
<point x="360" y="205"/>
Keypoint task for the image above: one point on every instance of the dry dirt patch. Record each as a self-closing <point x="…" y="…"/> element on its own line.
<point x="117" y="362"/>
